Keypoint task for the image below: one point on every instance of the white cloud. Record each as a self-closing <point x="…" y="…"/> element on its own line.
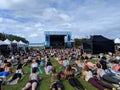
<point x="4" y="4"/>
<point x="1" y="20"/>
<point x="8" y="4"/>
<point x="30" y="18"/>
<point x="33" y="35"/>
<point x="65" y="17"/>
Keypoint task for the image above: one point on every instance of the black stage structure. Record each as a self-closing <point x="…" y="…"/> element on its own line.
<point x="98" y="44"/>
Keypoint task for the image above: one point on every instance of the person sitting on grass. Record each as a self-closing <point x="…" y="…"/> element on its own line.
<point x="55" y="82"/>
<point x="74" y="82"/>
<point x="34" y="80"/>
<point x="18" y="74"/>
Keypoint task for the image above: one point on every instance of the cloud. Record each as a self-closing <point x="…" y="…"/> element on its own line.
<point x="1" y="20"/>
<point x="8" y="4"/>
<point x="64" y="17"/>
<point x="33" y="35"/>
<point x="30" y="18"/>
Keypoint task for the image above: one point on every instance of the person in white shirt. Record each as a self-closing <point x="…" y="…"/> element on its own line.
<point x="18" y="74"/>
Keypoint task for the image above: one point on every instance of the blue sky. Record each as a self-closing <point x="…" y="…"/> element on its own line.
<point x="30" y="18"/>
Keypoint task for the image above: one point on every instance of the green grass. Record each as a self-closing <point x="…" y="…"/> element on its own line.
<point x="46" y="81"/>
<point x="22" y="83"/>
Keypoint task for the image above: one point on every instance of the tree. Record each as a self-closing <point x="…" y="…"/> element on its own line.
<point x="12" y="37"/>
<point x="2" y="36"/>
<point x="79" y="42"/>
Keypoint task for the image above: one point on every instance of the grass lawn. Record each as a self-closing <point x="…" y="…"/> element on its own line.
<point x="46" y="81"/>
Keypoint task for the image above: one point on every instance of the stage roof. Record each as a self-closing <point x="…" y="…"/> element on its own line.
<point x="57" y="33"/>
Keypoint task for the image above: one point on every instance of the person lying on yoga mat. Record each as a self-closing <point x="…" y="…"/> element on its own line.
<point x="74" y="82"/>
<point x="35" y="64"/>
<point x="107" y="75"/>
<point x="88" y="76"/>
<point x="7" y="70"/>
<point x="55" y="82"/>
<point x="34" y="79"/>
<point x="18" y="74"/>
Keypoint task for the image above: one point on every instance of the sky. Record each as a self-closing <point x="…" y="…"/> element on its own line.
<point x="30" y="18"/>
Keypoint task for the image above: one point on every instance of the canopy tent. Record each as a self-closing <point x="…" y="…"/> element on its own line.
<point x="7" y="41"/>
<point x="117" y="45"/>
<point x="14" y="46"/>
<point x="21" y="44"/>
<point x="98" y="44"/>
<point x="4" y="48"/>
<point x="117" y="41"/>
<point x="14" y="41"/>
<point x="2" y="43"/>
<point x="22" y="47"/>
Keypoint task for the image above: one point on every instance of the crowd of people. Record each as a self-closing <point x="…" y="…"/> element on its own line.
<point x="74" y="64"/>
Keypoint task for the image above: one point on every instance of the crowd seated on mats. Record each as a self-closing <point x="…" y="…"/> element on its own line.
<point x="73" y="63"/>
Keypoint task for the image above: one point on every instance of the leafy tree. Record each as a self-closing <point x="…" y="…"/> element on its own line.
<point x="2" y="36"/>
<point x="12" y="37"/>
<point x="79" y="42"/>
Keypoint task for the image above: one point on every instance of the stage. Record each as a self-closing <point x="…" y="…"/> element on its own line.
<point x="58" y="39"/>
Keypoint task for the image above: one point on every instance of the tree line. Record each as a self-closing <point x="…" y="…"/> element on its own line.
<point x="11" y="37"/>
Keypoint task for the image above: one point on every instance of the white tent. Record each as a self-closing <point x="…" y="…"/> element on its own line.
<point x="7" y="41"/>
<point x="2" y="43"/>
<point x="14" y="41"/>
<point x="22" y="43"/>
<point x="117" y="41"/>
